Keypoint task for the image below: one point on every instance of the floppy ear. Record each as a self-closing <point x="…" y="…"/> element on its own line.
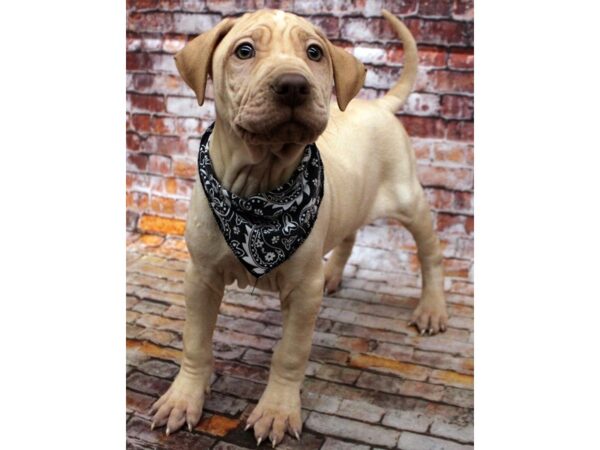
<point x="194" y="60"/>
<point x="348" y="74"/>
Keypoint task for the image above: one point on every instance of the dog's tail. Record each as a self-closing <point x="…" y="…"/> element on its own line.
<point x="396" y="96"/>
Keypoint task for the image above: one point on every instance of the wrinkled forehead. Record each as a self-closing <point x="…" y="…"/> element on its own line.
<point x="267" y="25"/>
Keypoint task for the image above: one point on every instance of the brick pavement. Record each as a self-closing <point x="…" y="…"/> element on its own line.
<point x="372" y="382"/>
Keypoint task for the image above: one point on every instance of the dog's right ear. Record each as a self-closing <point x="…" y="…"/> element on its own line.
<point x="194" y="60"/>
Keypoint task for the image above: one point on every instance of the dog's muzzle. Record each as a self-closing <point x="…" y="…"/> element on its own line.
<point x="291" y="89"/>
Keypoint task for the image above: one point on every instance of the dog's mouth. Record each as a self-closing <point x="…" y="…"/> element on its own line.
<point x="292" y="130"/>
<point x="280" y="125"/>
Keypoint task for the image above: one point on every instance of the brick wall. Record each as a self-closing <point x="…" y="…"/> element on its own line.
<point x="164" y="121"/>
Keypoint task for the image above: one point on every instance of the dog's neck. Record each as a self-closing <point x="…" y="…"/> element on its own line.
<point x="248" y="170"/>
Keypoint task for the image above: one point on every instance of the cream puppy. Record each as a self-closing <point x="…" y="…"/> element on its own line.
<point x="273" y="74"/>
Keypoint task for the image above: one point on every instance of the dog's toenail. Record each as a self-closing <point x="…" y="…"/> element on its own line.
<point x="259" y="440"/>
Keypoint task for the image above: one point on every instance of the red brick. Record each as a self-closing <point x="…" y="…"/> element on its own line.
<point x="440" y="199"/>
<point x="329" y="24"/>
<point x="435" y="8"/>
<point x="133" y="141"/>
<point x="432" y="56"/>
<point x="150" y="103"/>
<point x="455" y="178"/>
<point x="160" y="83"/>
<point x="460" y="131"/>
<point x="424" y="126"/>
<point x="470" y="225"/>
<point x="137" y="162"/>
<point x="451" y="223"/>
<point x="151" y="21"/>
<point x="142" y="81"/>
<point x="440" y="32"/>
<point x="403" y="7"/>
<point x="141" y="123"/>
<point x="159" y="164"/>
<point x="457" y="107"/>
<point x="461" y="59"/>
<point x="463" y="201"/>
<point x="165" y="145"/>
<point x="138" y="61"/>
<point x="463" y="10"/>
<point x="145" y="4"/>
<point x="136" y="181"/>
<point x="164" y="125"/>
<point x="451" y="82"/>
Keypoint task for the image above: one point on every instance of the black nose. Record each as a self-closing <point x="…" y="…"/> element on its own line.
<point x="291" y="89"/>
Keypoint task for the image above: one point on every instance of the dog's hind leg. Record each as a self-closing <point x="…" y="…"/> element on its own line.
<point x="334" y="268"/>
<point x="430" y="315"/>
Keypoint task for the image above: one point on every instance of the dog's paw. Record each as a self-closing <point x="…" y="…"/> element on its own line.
<point x="430" y="317"/>
<point x="277" y="411"/>
<point x="181" y="404"/>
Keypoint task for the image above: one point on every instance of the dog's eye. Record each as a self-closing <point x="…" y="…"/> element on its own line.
<point x="244" y="51"/>
<point x="314" y="52"/>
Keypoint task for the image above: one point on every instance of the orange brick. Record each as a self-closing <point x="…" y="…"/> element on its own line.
<point x="162" y="205"/>
<point x="151" y="240"/>
<point x="174" y="186"/>
<point x="217" y="425"/>
<point x="171" y="185"/>
<point x="137" y="201"/>
<point x="451" y="378"/>
<point x="369" y="361"/>
<point x="452" y="153"/>
<point x="154" y="350"/>
<point x="456" y="267"/>
<point x="161" y="225"/>
<point x="184" y="168"/>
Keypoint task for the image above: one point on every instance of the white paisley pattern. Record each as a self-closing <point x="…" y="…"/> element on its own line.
<point x="264" y="230"/>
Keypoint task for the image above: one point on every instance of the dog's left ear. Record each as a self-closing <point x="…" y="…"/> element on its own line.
<point x="194" y="60"/>
<point x="348" y="74"/>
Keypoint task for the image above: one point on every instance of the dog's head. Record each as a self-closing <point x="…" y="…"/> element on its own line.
<point x="272" y="74"/>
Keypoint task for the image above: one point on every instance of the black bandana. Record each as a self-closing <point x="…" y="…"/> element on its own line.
<point x="264" y="230"/>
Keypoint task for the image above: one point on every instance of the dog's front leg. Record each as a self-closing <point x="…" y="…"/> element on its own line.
<point x="279" y="407"/>
<point x="183" y="401"/>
